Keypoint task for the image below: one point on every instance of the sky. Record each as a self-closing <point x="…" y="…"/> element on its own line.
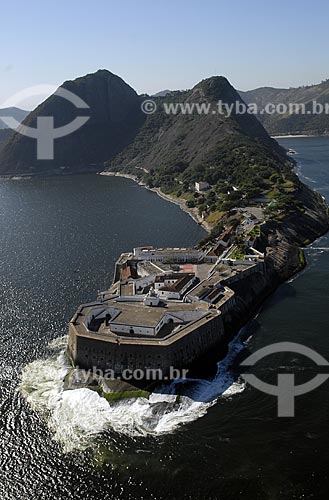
<point x="155" y="45"/>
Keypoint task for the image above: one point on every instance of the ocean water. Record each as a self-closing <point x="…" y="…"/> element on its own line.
<point x="59" y="239"/>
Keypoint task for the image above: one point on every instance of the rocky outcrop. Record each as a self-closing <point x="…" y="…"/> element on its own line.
<point x="284" y="239"/>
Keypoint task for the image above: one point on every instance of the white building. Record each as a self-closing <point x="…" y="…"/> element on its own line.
<point x="201" y="186"/>
<point x="174" y="285"/>
<point x="168" y="254"/>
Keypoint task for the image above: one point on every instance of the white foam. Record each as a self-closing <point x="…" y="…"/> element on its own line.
<point x="309" y="179"/>
<point x="76" y="416"/>
<point x="321" y="249"/>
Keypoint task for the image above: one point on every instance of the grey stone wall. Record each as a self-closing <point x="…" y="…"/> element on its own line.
<point x="89" y="352"/>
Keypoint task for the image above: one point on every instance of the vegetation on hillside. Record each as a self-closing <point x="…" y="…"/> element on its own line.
<point x="234" y="155"/>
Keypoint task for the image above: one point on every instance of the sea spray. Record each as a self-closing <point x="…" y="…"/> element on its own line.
<point x="76" y="416"/>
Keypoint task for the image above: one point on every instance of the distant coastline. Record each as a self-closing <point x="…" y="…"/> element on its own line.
<point x="293" y="136"/>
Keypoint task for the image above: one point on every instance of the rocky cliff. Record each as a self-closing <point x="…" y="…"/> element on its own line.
<point x="284" y="239"/>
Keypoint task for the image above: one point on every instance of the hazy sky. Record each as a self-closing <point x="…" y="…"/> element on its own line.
<point x="154" y="45"/>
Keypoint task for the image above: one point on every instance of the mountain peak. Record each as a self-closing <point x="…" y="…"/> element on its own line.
<point x="216" y="88"/>
<point x="101" y="75"/>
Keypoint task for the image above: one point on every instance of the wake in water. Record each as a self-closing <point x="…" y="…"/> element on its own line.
<point x="76" y="416"/>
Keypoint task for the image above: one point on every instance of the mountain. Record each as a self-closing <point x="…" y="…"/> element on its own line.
<point x="162" y="93"/>
<point x="18" y="114"/>
<point x="115" y="118"/>
<point x="118" y="133"/>
<point x="292" y="123"/>
<point x="174" y="150"/>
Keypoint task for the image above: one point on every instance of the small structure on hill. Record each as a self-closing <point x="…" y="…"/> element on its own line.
<point x="201" y="186"/>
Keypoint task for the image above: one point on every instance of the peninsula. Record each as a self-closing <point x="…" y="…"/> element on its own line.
<point x="169" y="307"/>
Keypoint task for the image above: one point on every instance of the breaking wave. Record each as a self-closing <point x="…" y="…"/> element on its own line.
<point x="300" y="173"/>
<point x="76" y="417"/>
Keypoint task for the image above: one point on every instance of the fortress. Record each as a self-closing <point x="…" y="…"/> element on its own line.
<point x="166" y="308"/>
